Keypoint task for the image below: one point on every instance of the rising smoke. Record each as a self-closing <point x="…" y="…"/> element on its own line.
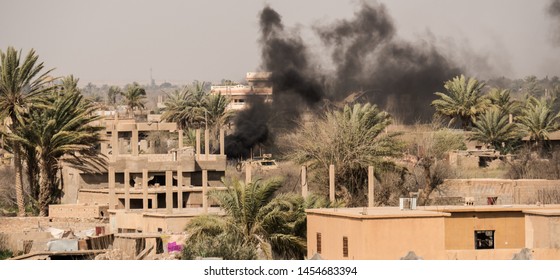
<point x="553" y="11"/>
<point x="401" y="77"/>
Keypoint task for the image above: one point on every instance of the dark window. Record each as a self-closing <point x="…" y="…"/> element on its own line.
<point x="345" y="246"/>
<point x="319" y="242"/>
<point x="483" y="239"/>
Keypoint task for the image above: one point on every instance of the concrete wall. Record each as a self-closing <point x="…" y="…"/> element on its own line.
<point x="128" y="221"/>
<point x="78" y="211"/>
<point x="88" y="197"/>
<point x="507" y="191"/>
<point x="386" y="238"/>
<point x="149" y="222"/>
<point x="166" y="224"/>
<point x="501" y="254"/>
<point x="542" y="231"/>
<point x="509" y="229"/>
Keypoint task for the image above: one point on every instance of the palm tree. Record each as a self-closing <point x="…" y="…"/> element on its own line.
<point x="216" y="108"/>
<point x="112" y="94"/>
<point x="192" y="107"/>
<point x="21" y="84"/>
<point x="134" y="97"/>
<point x="493" y="128"/>
<point x="501" y="99"/>
<point x="58" y="132"/>
<point x="352" y="139"/>
<point x="254" y="219"/>
<point x="463" y="100"/>
<point x="538" y="119"/>
<point x="181" y="108"/>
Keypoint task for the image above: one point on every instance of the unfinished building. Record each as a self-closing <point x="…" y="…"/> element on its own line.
<point x="146" y="189"/>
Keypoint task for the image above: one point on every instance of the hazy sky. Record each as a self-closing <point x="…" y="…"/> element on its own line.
<point x="117" y="42"/>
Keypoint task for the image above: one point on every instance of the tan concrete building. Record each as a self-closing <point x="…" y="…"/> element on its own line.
<point x="258" y="85"/>
<point x="439" y="233"/>
<point x="145" y="191"/>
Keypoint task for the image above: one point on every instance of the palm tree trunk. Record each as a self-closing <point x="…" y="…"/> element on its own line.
<point x="44" y="188"/>
<point x="19" y="182"/>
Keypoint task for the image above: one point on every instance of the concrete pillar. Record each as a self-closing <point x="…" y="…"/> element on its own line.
<point x="180" y="133"/>
<point x="304" y="186"/>
<point x="248" y="171"/>
<point x="206" y="144"/>
<point x="197" y="149"/>
<point x="104" y="148"/>
<point x="331" y="183"/>
<point x="145" y="189"/>
<point x="205" y="190"/>
<point x="126" y="189"/>
<point x="187" y="180"/>
<point x="112" y="196"/>
<point x="134" y="141"/>
<point x="179" y="187"/>
<point x="169" y="191"/>
<point x="114" y="143"/>
<point x="371" y="182"/>
<point x="222" y="142"/>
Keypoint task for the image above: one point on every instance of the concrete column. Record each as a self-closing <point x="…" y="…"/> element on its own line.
<point x="205" y="190"/>
<point x="179" y="187"/>
<point x="197" y="149"/>
<point x="304" y="186"/>
<point x="371" y="182"/>
<point x="104" y="148"/>
<point x="114" y="143"/>
<point x="145" y="189"/>
<point x="222" y="142"/>
<point x="134" y="141"/>
<point x="187" y="180"/>
<point x="180" y="133"/>
<point x="206" y="144"/>
<point x="126" y="189"/>
<point x="331" y="183"/>
<point x="112" y="196"/>
<point x="169" y="191"/>
<point x="248" y="175"/>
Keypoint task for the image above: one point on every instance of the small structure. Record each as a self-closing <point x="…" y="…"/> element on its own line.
<point x="435" y="232"/>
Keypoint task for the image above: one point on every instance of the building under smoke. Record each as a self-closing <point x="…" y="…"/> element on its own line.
<point x="368" y="56"/>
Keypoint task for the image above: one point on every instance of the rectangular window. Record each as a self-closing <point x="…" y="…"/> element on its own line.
<point x="319" y="242"/>
<point x="345" y="246"/>
<point x="483" y="239"/>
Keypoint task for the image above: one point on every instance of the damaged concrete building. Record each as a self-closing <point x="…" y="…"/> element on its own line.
<point x="141" y="201"/>
<point x="139" y="184"/>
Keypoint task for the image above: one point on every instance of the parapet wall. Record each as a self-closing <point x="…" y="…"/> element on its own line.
<point x="507" y="191"/>
<point x="78" y="211"/>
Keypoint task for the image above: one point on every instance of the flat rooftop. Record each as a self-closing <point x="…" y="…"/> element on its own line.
<point x="162" y="212"/>
<point x="432" y="211"/>
<point x="376" y="212"/>
<point x="489" y="208"/>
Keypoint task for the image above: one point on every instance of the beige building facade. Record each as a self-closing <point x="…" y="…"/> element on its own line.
<point x="258" y="86"/>
<point x="436" y="233"/>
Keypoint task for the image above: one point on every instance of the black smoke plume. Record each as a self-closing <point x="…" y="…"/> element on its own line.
<point x="553" y="11"/>
<point x="295" y="88"/>
<point x="401" y="77"/>
<point x="251" y="128"/>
